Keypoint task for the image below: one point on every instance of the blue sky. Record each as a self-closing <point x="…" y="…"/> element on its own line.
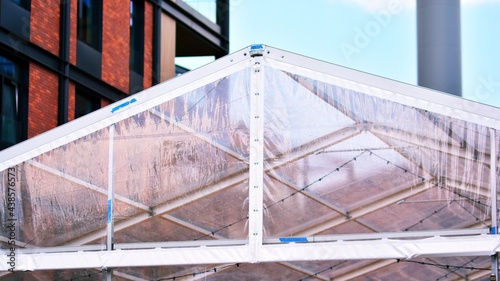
<point x="326" y="30"/>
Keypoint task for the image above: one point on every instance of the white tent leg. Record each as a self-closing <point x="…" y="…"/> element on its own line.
<point x="493" y="184"/>
<point x="108" y="273"/>
<point x="256" y="157"/>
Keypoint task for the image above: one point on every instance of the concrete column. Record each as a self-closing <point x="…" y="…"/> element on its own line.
<point x="439" y="48"/>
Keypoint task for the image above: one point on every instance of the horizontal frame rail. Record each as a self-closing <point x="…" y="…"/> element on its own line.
<point x="404" y="245"/>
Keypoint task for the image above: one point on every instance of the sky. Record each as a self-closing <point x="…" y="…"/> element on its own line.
<point x="327" y="30"/>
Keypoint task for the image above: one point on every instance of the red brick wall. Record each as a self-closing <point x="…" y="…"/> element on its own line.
<point x="105" y="102"/>
<point x="115" y="43"/>
<point x="72" y="30"/>
<point x="148" y="45"/>
<point x="45" y="22"/>
<point x="71" y="101"/>
<point x="42" y="100"/>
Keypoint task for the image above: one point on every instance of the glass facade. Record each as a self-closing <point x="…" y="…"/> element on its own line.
<point x="10" y="132"/>
<point x="23" y="3"/>
<point x="205" y="7"/>
<point x="137" y="36"/>
<point x="85" y="102"/>
<point x="90" y="22"/>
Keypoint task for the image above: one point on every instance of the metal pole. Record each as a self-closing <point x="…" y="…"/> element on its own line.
<point x="493" y="188"/>
<point x="62" y="111"/>
<point x="256" y="157"/>
<point x="156" y="41"/>
<point x="110" y="226"/>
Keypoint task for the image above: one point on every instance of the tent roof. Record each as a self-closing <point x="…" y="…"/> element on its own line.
<point x="262" y="164"/>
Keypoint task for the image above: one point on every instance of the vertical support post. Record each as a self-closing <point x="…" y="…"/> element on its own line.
<point x="110" y="225"/>
<point x="222" y="19"/>
<point x="156" y="41"/>
<point x="256" y="158"/>
<point x="62" y="112"/>
<point x="494" y="208"/>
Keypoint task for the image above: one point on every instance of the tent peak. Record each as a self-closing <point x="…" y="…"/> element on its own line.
<point x="257" y="50"/>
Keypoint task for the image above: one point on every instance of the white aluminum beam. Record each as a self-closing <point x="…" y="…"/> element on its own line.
<point x="306" y="271"/>
<point x="458" y="185"/>
<point x="390" y="235"/>
<point x="256" y="159"/>
<point x="494" y="197"/>
<point x="306" y="193"/>
<point x="212" y="243"/>
<point x="86" y="184"/>
<point x="130" y="258"/>
<point x="162" y="209"/>
<point x="107" y="272"/>
<point x="431" y="144"/>
<point x="2" y="274"/>
<point x="62" y="249"/>
<point x="127" y="276"/>
<point x="482" y="245"/>
<point x="473" y="230"/>
<point x="384" y="88"/>
<point x="199" y="135"/>
<point x="19" y="244"/>
<point x="178" y="244"/>
<point x="206" y="274"/>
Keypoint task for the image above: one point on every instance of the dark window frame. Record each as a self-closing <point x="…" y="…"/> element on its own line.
<point x="85" y="102"/>
<point x="137" y="36"/>
<point x="25" y="4"/>
<point x="89" y="23"/>
<point x="18" y="81"/>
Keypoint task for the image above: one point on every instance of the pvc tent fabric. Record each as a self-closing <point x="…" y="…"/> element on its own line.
<point x="259" y="166"/>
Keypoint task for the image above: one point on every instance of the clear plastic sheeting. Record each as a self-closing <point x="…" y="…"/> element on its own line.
<point x="347" y="177"/>
<point x="371" y="150"/>
<point x="61" y="194"/>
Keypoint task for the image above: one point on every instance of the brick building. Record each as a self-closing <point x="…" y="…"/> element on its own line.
<point x="61" y="59"/>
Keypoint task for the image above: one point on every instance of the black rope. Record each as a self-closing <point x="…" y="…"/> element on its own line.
<point x="286" y="197"/>
<point x="444" y="266"/>
<point x="321" y="271"/>
<point x="215" y="269"/>
<point x="429" y="216"/>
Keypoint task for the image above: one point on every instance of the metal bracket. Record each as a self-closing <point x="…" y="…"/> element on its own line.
<point x="257" y="50"/>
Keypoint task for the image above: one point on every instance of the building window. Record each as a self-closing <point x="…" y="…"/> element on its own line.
<point x="137" y="36"/>
<point x="23" y="3"/>
<point x="85" y="102"/>
<point x="15" y="18"/>
<point x="10" y="117"/>
<point x="90" y="22"/>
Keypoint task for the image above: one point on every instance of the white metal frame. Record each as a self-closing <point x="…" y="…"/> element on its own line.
<point x="463" y="244"/>
<point x="256" y="249"/>
<point x="256" y="157"/>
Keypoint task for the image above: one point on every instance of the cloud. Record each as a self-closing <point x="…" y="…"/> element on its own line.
<point x="475" y="2"/>
<point x="378" y="5"/>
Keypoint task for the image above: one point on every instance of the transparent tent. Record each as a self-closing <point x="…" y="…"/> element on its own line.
<point x="263" y="165"/>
